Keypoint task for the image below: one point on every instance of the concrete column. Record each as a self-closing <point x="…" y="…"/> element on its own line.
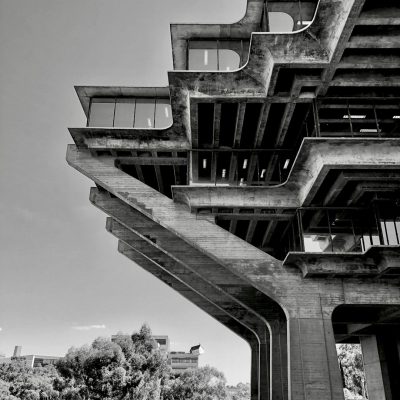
<point x="388" y="349"/>
<point x="314" y="367"/>
<point x="255" y="371"/>
<point x="372" y="368"/>
<point x="264" y="372"/>
<point x="279" y="360"/>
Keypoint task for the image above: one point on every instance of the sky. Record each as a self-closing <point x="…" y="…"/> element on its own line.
<point x="62" y="281"/>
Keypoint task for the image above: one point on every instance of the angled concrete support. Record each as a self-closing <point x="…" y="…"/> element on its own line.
<point x="204" y="304"/>
<point x="195" y="283"/>
<point x="246" y="283"/>
<point x="138" y="229"/>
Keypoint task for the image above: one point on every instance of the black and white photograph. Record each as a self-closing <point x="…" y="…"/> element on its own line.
<point x="200" y="200"/>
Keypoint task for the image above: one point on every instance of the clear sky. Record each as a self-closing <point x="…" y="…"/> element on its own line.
<point x="62" y="281"/>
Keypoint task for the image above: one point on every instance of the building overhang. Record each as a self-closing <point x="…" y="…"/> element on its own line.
<point x="128" y="139"/>
<point x="382" y="261"/>
<point x="315" y="158"/>
<point x="85" y="93"/>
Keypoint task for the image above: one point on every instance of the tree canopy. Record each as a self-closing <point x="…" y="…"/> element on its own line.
<point x="352" y="369"/>
<point x="125" y="368"/>
<point x="132" y="368"/>
<point x="18" y="381"/>
<point x="239" y="392"/>
<point x="129" y="367"/>
<point x="206" y="383"/>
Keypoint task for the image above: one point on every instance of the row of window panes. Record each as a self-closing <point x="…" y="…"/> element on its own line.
<point x="390" y="237"/>
<point x="343" y="231"/>
<point x="130" y="113"/>
<point x="183" y="360"/>
<point x="215" y="56"/>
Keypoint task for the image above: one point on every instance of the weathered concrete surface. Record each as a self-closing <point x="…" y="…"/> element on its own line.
<point x="308" y="304"/>
<point x="243" y="28"/>
<point x="129" y="138"/>
<point x="238" y="284"/>
<point x="376" y="261"/>
<point x="313" y="161"/>
<point x="313" y="47"/>
<point x="204" y="277"/>
<point x="372" y="367"/>
<point x="204" y="304"/>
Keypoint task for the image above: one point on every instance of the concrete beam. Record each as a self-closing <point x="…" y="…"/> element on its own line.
<point x="380" y="16"/>
<point x="154" y="160"/>
<point x="311" y="350"/>
<point x="205" y="305"/>
<point x="357" y="176"/>
<point x="374" y="42"/>
<point x="374" y="262"/>
<point x="193" y="281"/>
<point x="198" y="283"/>
<point x="128" y="139"/>
<point x="314" y="159"/>
<point x="366" y="79"/>
<point x="382" y="61"/>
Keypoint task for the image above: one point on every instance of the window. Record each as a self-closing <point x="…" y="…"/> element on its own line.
<point x="130" y="113"/>
<point x="184" y="360"/>
<point x="124" y="113"/>
<point x="280" y="22"/>
<point x="163" y="113"/>
<point x="215" y="55"/>
<point x="144" y="116"/>
<point x="228" y="60"/>
<point x="102" y="112"/>
<point x="203" y="55"/>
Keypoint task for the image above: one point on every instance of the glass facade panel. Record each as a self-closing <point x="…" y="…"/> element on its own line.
<point x="163" y="113"/>
<point x="124" y="113"/>
<point x="370" y="240"/>
<point x="130" y="112"/>
<point x="390" y="232"/>
<point x="145" y="110"/>
<point x="229" y="60"/>
<point x="102" y="112"/>
<point x="203" y="59"/>
<point x="280" y="22"/>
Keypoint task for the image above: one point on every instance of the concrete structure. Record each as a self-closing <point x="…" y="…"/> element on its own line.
<point x="272" y="199"/>
<point x="30" y="360"/>
<point x="179" y="361"/>
<point x="162" y="343"/>
<point x="17" y="351"/>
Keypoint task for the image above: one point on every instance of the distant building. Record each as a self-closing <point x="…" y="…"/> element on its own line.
<point x="179" y="361"/>
<point x="30" y="360"/>
<point x="162" y="342"/>
<point x="17" y="351"/>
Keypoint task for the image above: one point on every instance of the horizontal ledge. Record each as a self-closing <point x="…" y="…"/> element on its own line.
<point x="152" y="160"/>
<point x="376" y="261"/>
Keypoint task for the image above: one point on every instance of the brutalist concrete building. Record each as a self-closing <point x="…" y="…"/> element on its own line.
<point x="263" y="185"/>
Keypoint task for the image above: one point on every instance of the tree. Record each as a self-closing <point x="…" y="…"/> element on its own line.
<point x="351" y="366"/>
<point x="17" y="381"/>
<point x="125" y="368"/>
<point x="206" y="383"/>
<point x="129" y="367"/>
<point x="239" y="392"/>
